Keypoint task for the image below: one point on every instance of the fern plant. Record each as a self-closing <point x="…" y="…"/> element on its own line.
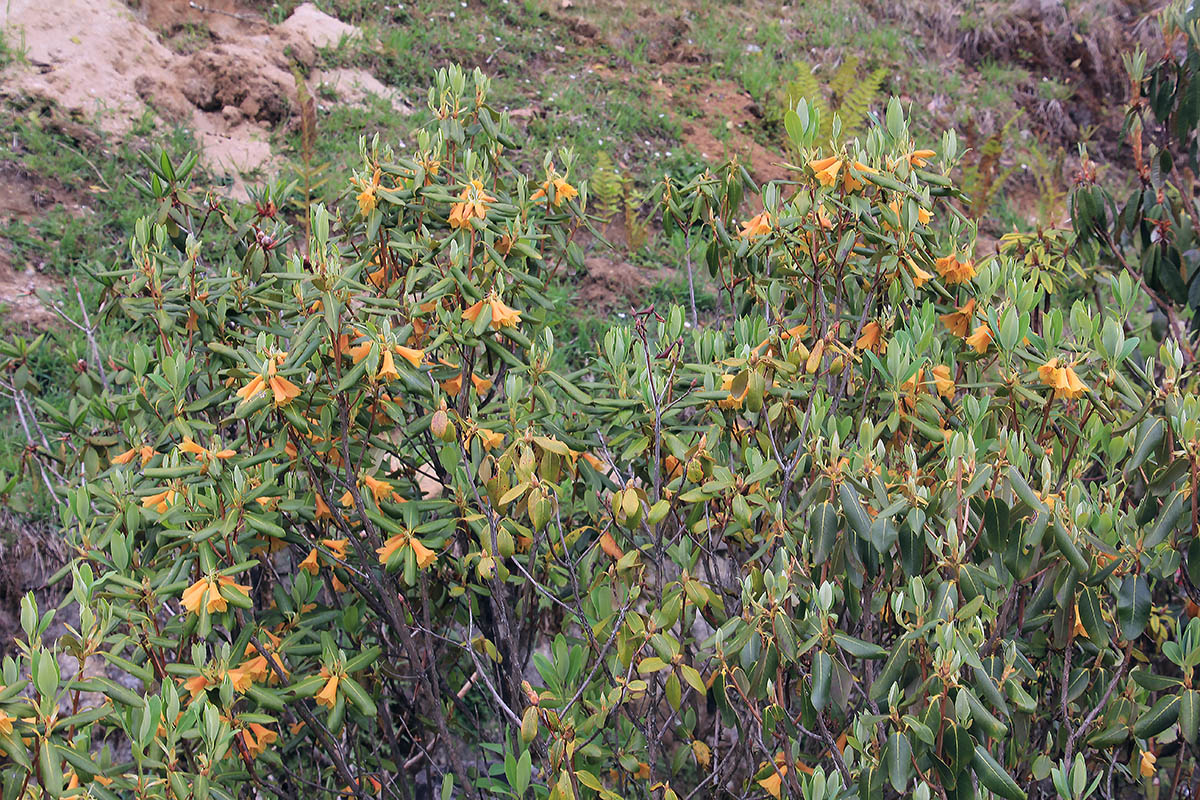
<point x="846" y="96"/>
<point x="605" y="188"/>
<point x="983" y="173"/>
<point x="613" y="193"/>
<point x="310" y="175"/>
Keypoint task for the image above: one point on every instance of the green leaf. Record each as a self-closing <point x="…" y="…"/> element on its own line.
<point x="898" y="757"/>
<point x="993" y="776"/>
<point x="1158" y="718"/>
<point x="1133" y="606"/>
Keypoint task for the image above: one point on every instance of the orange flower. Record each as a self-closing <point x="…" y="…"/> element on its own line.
<point x="412" y="356"/>
<point x="919" y="276"/>
<point x="6" y="723"/>
<point x="310" y="563"/>
<point x="284" y="390"/>
<point x="252" y="388"/>
<point x="328" y="694"/>
<point x="756" y="226"/>
<point x="374" y="788"/>
<point x="337" y="547"/>
<point x="1146" y="766"/>
<point x="826" y="169"/>
<point x="980" y="339"/>
<point x="207" y="592"/>
<point x="1062" y="380"/>
<point x="323" y="511"/>
<point x="423" y="554"/>
<point x="959" y="322"/>
<point x="160" y="502"/>
<point x="502" y="315"/>
<point x="380" y="490"/>
<point x="923" y="215"/>
<point x="489" y="439"/>
<point x="943" y="381"/>
<point x="189" y="446"/>
<point x="563" y="191"/>
<point x="872" y="338"/>
<point x="359" y="351"/>
<point x="241" y="677"/>
<point x="918" y="157"/>
<point x="145" y="451"/>
<point x="954" y="271"/>
<point x="256" y="738"/>
<point x="196" y="685"/>
<point x="193" y="596"/>
<point x="387" y="368"/>
<point x="473" y="204"/>
<point x="850" y="182"/>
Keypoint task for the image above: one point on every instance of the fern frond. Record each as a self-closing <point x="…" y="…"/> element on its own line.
<point x="606" y="187"/>
<point x="857" y="101"/>
<point x="844" y="79"/>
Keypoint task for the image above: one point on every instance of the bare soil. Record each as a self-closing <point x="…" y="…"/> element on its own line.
<point x="223" y="72"/>
<point x="23" y="195"/>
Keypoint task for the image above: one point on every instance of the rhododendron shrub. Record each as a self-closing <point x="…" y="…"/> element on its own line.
<point x="890" y="525"/>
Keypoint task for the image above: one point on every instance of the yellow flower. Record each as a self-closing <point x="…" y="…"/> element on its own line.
<point x="366" y="198"/>
<point x="733" y="400"/>
<point x="980" y="339"/>
<point x="756" y="226"/>
<point x="954" y="271"/>
<point x="1146" y="767"/>
<point x="472" y="204"/>
<point x="563" y="191"/>
<point x="958" y="322"/>
<point x="6" y="723"/>
<point x="502" y="315"/>
<point x="943" y="381"/>
<point x="1062" y="380"/>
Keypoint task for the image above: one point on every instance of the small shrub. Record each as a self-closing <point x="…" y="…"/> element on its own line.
<point x="340" y="528"/>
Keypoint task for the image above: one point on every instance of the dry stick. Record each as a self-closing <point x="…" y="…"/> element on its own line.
<point x="396" y="615"/>
<point x="88" y="331"/>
